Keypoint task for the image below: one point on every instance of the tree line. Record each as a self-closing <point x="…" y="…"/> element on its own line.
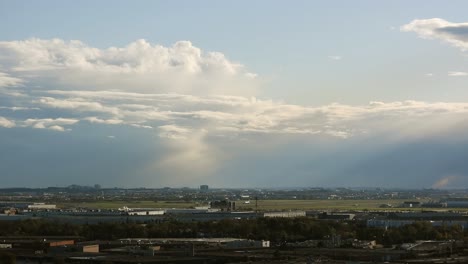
<point x="273" y="229"/>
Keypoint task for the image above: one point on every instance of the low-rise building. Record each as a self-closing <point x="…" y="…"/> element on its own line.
<point x="336" y="216"/>
<point x="285" y="214"/>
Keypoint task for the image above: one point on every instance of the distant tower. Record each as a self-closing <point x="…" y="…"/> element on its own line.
<point x="204" y="188"/>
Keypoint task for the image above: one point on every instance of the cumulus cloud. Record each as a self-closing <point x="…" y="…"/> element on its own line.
<point x="191" y="102"/>
<point x="456" y="34"/>
<point x="56" y="124"/>
<point x="139" y="66"/>
<point x="138" y="57"/>
<point x="6" y="123"/>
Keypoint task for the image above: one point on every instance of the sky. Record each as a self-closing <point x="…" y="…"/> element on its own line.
<point x="234" y="93"/>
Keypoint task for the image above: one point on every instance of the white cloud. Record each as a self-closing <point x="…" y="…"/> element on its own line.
<point x="75" y="104"/>
<point x="174" y="132"/>
<point x="6" y="80"/>
<point x="6" y="123"/>
<point x="338" y="134"/>
<point x="176" y="115"/>
<point x="97" y="120"/>
<point x="457" y="73"/>
<point x="19" y="108"/>
<point x="193" y="101"/>
<point x="455" y="34"/>
<point x="193" y="130"/>
<point x="54" y="127"/>
<point x="11" y="93"/>
<point x="141" y="126"/>
<point x="139" y="66"/>
<point x="56" y="124"/>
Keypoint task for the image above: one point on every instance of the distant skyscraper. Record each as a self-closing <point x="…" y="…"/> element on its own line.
<point x="204" y="188"/>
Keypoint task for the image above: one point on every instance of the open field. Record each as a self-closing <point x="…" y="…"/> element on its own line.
<point x="263" y="205"/>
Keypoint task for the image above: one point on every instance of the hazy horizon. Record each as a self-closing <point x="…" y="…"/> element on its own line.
<point x="281" y="188"/>
<point x="264" y="93"/>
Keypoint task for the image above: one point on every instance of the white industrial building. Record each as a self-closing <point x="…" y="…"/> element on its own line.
<point x="39" y="206"/>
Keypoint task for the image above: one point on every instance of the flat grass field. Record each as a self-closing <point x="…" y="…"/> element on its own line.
<point x="266" y="205"/>
<point x="263" y="205"/>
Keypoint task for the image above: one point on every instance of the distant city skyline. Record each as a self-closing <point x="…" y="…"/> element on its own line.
<point x="262" y="94"/>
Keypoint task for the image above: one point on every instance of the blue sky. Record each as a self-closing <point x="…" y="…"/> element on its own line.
<point x="244" y="93"/>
